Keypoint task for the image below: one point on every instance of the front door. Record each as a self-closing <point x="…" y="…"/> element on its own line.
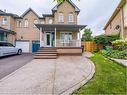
<point x="48" y="39"/>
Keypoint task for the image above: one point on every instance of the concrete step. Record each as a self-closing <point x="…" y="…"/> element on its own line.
<point x="46" y="53"/>
<point x="45" y="57"/>
<point x="47" y="50"/>
<point x="55" y="54"/>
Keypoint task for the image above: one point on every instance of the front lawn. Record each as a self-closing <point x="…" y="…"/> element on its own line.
<point x="110" y="78"/>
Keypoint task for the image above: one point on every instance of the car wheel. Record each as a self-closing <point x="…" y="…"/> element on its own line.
<point x="19" y="52"/>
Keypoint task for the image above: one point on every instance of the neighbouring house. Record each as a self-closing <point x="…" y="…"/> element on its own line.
<point x="6" y="27"/>
<point x="59" y="29"/>
<point x="118" y="21"/>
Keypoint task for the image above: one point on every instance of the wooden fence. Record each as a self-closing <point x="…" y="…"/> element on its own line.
<point x="89" y="46"/>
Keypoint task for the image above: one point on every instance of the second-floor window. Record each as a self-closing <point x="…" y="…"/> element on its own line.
<point x="50" y="21"/>
<point x="35" y="22"/>
<point x="19" y="24"/>
<point x="4" y="21"/>
<point x="26" y="23"/>
<point x="61" y="17"/>
<point x="70" y="18"/>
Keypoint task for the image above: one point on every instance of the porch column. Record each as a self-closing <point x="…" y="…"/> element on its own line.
<point x="40" y="37"/>
<point x="55" y="37"/>
<point x="79" y="38"/>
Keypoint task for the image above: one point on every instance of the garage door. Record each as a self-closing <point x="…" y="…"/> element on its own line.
<point x="24" y="45"/>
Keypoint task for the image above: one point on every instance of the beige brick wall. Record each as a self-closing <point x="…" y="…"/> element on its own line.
<point x="119" y="19"/>
<point x="30" y="33"/>
<point x="66" y="8"/>
<point x="116" y="21"/>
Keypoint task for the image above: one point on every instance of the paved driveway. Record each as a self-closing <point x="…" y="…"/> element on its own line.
<point x="48" y="77"/>
<point x="11" y="63"/>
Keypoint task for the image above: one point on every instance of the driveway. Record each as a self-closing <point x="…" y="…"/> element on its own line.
<point x="48" y="76"/>
<point x="11" y="63"/>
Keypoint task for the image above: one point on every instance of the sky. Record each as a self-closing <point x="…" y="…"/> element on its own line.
<point x="94" y="13"/>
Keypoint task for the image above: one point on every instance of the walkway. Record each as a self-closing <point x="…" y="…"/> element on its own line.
<point x="48" y="77"/>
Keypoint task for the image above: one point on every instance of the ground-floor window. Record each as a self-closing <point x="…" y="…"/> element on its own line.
<point x="66" y="37"/>
<point x="3" y="36"/>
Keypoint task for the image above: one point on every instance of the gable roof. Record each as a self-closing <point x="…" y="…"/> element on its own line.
<point x="2" y="12"/>
<point x="76" y="8"/>
<point x="27" y="11"/>
<point x="120" y="5"/>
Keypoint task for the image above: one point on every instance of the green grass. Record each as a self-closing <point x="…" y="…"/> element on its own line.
<point x="110" y="78"/>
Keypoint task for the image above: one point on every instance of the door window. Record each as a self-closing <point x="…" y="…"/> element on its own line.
<point x="48" y="39"/>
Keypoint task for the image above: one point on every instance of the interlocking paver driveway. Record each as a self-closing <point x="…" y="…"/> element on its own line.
<point x="48" y="76"/>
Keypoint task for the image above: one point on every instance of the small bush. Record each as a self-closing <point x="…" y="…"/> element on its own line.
<point x="115" y="54"/>
<point x="120" y="44"/>
<point x="106" y="39"/>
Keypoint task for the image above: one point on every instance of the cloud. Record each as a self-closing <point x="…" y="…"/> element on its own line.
<point x="94" y="13"/>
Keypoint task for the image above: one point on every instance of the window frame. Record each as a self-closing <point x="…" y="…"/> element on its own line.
<point x="63" y="40"/>
<point x="50" y="21"/>
<point x="70" y="18"/>
<point x="61" y="17"/>
<point x="3" y="20"/>
<point x="26" y="23"/>
<point x="19" y="23"/>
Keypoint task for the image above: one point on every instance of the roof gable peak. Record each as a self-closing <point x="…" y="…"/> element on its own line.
<point x="27" y="11"/>
<point x="69" y="1"/>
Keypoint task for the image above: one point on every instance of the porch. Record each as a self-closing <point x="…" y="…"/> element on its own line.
<point x="61" y="39"/>
<point x="60" y="35"/>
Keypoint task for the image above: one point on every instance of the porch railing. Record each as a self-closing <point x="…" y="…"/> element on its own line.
<point x="68" y="43"/>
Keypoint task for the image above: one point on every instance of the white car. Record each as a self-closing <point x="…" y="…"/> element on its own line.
<point x="8" y="49"/>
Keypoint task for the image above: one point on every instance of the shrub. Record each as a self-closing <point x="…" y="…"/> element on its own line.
<point x="106" y="39"/>
<point x="115" y="54"/>
<point x="120" y="44"/>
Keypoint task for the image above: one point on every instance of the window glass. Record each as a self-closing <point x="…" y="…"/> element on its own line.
<point x="19" y="24"/>
<point x="26" y="23"/>
<point x="61" y="17"/>
<point x="70" y="17"/>
<point x="50" y="21"/>
<point x="4" y="21"/>
<point x="66" y="37"/>
<point x="9" y="45"/>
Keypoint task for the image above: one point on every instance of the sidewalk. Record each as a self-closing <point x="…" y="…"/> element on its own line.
<point x="48" y="77"/>
<point x="120" y="61"/>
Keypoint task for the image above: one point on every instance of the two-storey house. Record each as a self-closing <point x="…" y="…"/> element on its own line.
<point x="59" y="29"/>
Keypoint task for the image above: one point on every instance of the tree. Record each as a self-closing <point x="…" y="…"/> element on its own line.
<point x="87" y="36"/>
<point x="61" y="1"/>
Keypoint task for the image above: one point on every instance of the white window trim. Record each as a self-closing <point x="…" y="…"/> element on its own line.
<point x="26" y="24"/>
<point x="19" y="23"/>
<point x="50" y="21"/>
<point x="61" y="17"/>
<point x="3" y="21"/>
<point x="64" y="40"/>
<point x="70" y="18"/>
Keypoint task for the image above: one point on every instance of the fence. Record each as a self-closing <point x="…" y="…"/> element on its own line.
<point x="89" y="46"/>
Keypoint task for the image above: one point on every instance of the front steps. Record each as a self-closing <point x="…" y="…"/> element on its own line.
<point x="46" y="53"/>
